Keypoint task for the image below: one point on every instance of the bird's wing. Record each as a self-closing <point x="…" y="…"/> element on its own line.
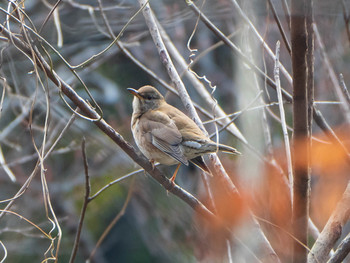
<point x="165" y="136"/>
<point x="187" y="127"/>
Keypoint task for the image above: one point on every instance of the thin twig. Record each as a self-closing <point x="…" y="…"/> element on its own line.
<point x="283" y="120"/>
<point x="5" y="252"/>
<point x="229" y="253"/>
<point x="346" y="19"/>
<point x="85" y="203"/>
<point x="286" y="11"/>
<point x="333" y="76"/>
<point x="113" y="222"/>
<point x="49" y="211"/>
<point x="54" y="7"/>
<point x="4" y="166"/>
<point x="4" y="87"/>
<point x="44" y="234"/>
<point x="278" y="22"/>
<point x="27" y="182"/>
<point x="310" y="60"/>
<point x="236" y="115"/>
<point x="118" y="180"/>
<point x="344" y="89"/>
<point x="239" y="53"/>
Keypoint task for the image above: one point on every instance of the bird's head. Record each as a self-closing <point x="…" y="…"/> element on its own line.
<point x="145" y="98"/>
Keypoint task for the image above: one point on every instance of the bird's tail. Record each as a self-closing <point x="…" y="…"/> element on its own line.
<point x="198" y="161"/>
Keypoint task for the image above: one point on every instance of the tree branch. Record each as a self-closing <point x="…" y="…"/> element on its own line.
<point x="332" y="231"/>
<point x="301" y="172"/>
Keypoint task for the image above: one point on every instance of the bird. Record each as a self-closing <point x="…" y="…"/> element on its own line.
<point x="166" y="135"/>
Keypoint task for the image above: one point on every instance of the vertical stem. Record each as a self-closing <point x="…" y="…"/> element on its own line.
<point x="310" y="64"/>
<point x="310" y="93"/>
<point x="283" y="118"/>
<point x="301" y="186"/>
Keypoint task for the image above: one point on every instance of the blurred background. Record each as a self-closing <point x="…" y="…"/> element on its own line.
<point x="151" y="224"/>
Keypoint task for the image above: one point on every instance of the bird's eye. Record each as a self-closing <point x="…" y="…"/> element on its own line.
<point x="148" y="97"/>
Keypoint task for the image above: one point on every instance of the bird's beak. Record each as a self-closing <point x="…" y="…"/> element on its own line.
<point x="134" y="92"/>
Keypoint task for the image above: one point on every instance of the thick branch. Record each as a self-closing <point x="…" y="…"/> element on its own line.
<point x="332" y="231"/>
<point x="301" y="186"/>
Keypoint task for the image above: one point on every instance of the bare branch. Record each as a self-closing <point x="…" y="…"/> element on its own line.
<point x="346" y="19"/>
<point x="301" y="173"/>
<point x="5" y="252"/>
<point x="283" y="34"/>
<point x="85" y="203"/>
<point x="286" y="11"/>
<point x="332" y="231"/>
<point x="342" y="251"/>
<point x="283" y="120"/>
<point x="333" y="76"/>
<point x="344" y="89"/>
<point x="112" y="223"/>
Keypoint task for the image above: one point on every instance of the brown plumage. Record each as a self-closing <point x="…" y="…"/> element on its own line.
<point x="165" y="134"/>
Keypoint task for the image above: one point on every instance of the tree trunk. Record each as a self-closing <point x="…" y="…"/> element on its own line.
<point x="302" y="63"/>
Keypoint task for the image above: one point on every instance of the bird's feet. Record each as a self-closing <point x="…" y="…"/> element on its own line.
<point x="172" y="179"/>
<point x="152" y="162"/>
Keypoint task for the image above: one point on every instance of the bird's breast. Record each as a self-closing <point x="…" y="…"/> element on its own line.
<point x="144" y="143"/>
